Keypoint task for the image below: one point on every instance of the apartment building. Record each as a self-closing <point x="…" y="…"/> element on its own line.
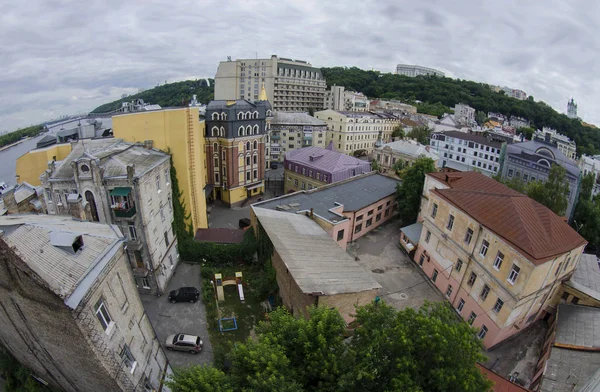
<point x="416" y="70"/>
<point x="22" y="198"/>
<point x="562" y="142"/>
<point x="353" y="132"/>
<point x="392" y="106"/>
<point x="313" y="167"/>
<point x="498" y="256"/>
<point x="405" y="151"/>
<point x="467" y="152"/>
<point x="464" y="114"/>
<point x="129" y="185"/>
<point x="71" y="312"/>
<point x="337" y="98"/>
<point x="236" y="135"/>
<point x="293" y="85"/>
<point x="348" y="209"/>
<point x="292" y="131"/>
<point x="532" y="160"/>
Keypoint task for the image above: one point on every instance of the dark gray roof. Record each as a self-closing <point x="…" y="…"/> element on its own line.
<point x="285" y="118"/>
<point x="413" y="232"/>
<point x="486" y="141"/>
<point x="586" y="277"/>
<point x="238" y="104"/>
<point x="578" y="326"/>
<point x="527" y="150"/>
<point x="354" y="194"/>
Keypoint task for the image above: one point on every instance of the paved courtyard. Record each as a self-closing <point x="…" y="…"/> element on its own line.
<point x="182" y="317"/>
<point x="404" y="285"/>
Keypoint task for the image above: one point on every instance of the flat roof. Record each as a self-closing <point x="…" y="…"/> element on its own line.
<point x="586" y="277"/>
<point x="315" y="261"/>
<point x="354" y="194"/>
<point x="413" y="232"/>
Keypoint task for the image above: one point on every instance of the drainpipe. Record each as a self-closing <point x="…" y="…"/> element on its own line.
<point x="468" y="264"/>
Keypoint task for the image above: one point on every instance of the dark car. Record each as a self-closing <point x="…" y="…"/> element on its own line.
<point x="184" y="294"/>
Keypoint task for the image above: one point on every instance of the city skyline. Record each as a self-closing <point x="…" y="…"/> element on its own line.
<point x="68" y="58"/>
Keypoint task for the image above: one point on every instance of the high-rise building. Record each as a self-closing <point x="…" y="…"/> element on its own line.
<point x="337" y="98"/>
<point x="572" y="109"/>
<point x="292" y="131"/>
<point x="416" y="70"/>
<point x="292" y="85"/>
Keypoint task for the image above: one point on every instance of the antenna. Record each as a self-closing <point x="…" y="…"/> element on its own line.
<point x="228" y="58"/>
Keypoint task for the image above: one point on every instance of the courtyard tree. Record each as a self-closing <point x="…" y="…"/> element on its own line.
<point x="201" y="379"/>
<point x="420" y="134"/>
<point x="554" y="192"/>
<point x="398" y="132"/>
<point x="408" y="192"/>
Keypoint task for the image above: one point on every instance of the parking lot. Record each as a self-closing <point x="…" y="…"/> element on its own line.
<point x="404" y="284"/>
<point x="183" y="317"/>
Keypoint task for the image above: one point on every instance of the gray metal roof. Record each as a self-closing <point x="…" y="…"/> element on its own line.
<point x="355" y="193"/>
<point x="528" y="150"/>
<point x="285" y="118"/>
<point x="578" y="326"/>
<point x="413" y="232"/>
<point x="316" y="262"/>
<point x="66" y="273"/>
<point x="586" y="277"/>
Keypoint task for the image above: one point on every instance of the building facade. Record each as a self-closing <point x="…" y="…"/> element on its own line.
<point x="416" y="70"/>
<point x="125" y="184"/>
<point x="337" y="98"/>
<point x="405" y="151"/>
<point x="393" y="107"/>
<point x="353" y="132"/>
<point x="292" y="131"/>
<point x="236" y="135"/>
<point x="21" y="199"/>
<point x="532" y="160"/>
<point x="591" y="164"/>
<point x="313" y="167"/>
<point x="71" y="312"/>
<point x="499" y="257"/>
<point x="464" y="114"/>
<point x="293" y="85"/>
<point x="467" y="152"/>
<point x="562" y="142"/>
<point x="178" y="132"/>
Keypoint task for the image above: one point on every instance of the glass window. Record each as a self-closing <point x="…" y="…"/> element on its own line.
<point x="459" y="265"/>
<point x="434" y="210"/>
<point x="498" y="305"/>
<point x="449" y="291"/>
<point x="158" y="182"/>
<point x="472" y="279"/>
<point x="472" y="318"/>
<point x="482" y="332"/>
<point x="485" y="292"/>
<point x="102" y="314"/>
<point x="498" y="261"/>
<point x="358" y="228"/>
<point x="340" y="235"/>
<point x="369" y="222"/>
<point x="421" y="259"/>
<point x="450" y="224"/>
<point x="484" y="248"/>
<point x="427" y="236"/>
<point x="468" y="236"/>
<point x="435" y="275"/>
<point x="461" y="305"/>
<point x="514" y="272"/>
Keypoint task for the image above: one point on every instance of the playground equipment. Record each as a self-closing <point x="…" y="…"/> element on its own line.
<point x="223" y="329"/>
<point x="219" y="283"/>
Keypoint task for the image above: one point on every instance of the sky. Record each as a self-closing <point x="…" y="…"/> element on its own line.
<point x="66" y="57"/>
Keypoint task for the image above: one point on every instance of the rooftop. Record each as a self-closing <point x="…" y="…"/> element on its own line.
<point x="535" y="149"/>
<point x="324" y="159"/>
<point x="501" y="384"/>
<point x="39" y="240"/>
<point x="586" y="277"/>
<point x="411" y="148"/>
<point x="530" y="227"/>
<point x="220" y="236"/>
<point x="486" y="141"/>
<point x="238" y="104"/>
<point x="114" y="155"/>
<point x="316" y="262"/>
<point x="285" y="118"/>
<point x="354" y="194"/>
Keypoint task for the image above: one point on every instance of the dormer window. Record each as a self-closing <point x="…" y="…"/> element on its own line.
<point x="85" y="168"/>
<point x="77" y="244"/>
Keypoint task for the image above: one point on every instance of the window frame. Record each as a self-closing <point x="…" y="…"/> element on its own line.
<point x="498" y="305"/>
<point x="450" y="223"/>
<point x="461" y="305"/>
<point x="468" y="235"/>
<point x="434" y="210"/>
<point x="486" y="245"/>
<point x="102" y="314"/>
<point x="498" y="261"/>
<point x="516" y="272"/>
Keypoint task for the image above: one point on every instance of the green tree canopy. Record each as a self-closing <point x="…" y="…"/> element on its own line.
<point x="408" y="192"/>
<point x="480" y="117"/>
<point x="200" y="379"/>
<point x="420" y="134"/>
<point x="398" y="132"/>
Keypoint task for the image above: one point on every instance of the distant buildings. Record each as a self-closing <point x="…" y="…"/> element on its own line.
<point x="393" y="106"/>
<point x="125" y="184"/>
<point x="291" y="131"/>
<point x="235" y="148"/>
<point x="532" y="160"/>
<point x="291" y="85"/>
<point x="71" y="311"/>
<point x="357" y="131"/>
<point x="416" y="70"/>
<point x="22" y="198"/>
<point x="405" y="151"/>
<point x="571" y="109"/>
<point x="562" y="142"/>
<point x="312" y="167"/>
<point x="339" y="99"/>
<point x="591" y="164"/>
<point x="464" y="114"/>
<point x="468" y="152"/>
<point x="498" y="256"/>
<point x="510" y="92"/>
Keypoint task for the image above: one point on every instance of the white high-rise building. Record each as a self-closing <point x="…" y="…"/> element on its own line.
<point x="337" y="98"/>
<point x="416" y="70"/>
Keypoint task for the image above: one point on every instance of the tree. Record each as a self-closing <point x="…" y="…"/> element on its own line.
<point x="587" y="187"/>
<point x="554" y="192"/>
<point x="375" y="165"/>
<point x="480" y="117"/>
<point x="398" y="132"/>
<point x="408" y="192"/>
<point x="586" y="219"/>
<point x="200" y="379"/>
<point x="420" y="134"/>
<point x="398" y="166"/>
<point x="528" y="131"/>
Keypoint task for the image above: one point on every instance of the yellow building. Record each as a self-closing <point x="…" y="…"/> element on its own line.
<point x="180" y="132"/>
<point x="33" y="163"/>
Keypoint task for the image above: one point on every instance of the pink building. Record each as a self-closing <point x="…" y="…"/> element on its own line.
<point x="348" y="209"/>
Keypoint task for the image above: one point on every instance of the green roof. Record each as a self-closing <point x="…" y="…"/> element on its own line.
<point x="120" y="191"/>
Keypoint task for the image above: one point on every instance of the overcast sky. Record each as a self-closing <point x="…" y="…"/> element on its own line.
<point x="64" y="57"/>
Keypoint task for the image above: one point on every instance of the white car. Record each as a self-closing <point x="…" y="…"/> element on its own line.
<point x="183" y="342"/>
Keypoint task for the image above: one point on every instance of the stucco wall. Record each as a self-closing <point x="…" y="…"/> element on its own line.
<point x="33" y="163"/>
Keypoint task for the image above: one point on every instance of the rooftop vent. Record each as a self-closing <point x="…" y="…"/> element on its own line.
<point x="68" y="242"/>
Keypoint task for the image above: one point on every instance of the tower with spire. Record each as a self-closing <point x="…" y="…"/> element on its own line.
<point x="571" y="109"/>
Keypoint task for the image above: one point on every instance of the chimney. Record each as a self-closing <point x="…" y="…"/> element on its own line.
<point x="148" y="144"/>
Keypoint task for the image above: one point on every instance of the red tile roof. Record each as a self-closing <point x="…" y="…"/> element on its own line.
<point x="500" y="383"/>
<point x="538" y="233"/>
<point x="220" y="236"/>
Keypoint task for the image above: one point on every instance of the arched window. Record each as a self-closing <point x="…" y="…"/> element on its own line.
<point x="268" y="113"/>
<point x="247" y="145"/>
<point x="256" y="129"/>
<point x="544" y="162"/>
<point x="214" y="131"/>
<point x="255" y="114"/>
<point x="222" y="133"/>
<point x="215" y="116"/>
<point x="223" y="116"/>
<point x="249" y="130"/>
<point x="248" y="115"/>
<point x="240" y="116"/>
<point x="241" y="131"/>
<point x="215" y="147"/>
<point x="255" y="145"/>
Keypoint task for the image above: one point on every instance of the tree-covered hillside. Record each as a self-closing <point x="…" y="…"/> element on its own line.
<point x="448" y="92"/>
<point x="171" y="94"/>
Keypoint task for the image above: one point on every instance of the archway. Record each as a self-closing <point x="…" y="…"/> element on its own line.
<point x="89" y="197"/>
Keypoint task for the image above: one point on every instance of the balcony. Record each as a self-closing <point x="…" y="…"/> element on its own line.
<point x="275" y="136"/>
<point x="124" y="212"/>
<point x="121" y="203"/>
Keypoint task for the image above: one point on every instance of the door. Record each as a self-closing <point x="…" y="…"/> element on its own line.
<point x="139" y="262"/>
<point x="218" y="194"/>
<point x="89" y="197"/>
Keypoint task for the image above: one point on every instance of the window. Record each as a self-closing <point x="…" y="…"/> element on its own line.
<point x="482" y="332"/>
<point x="485" y="292"/>
<point x="514" y="272"/>
<point x="558" y="269"/>
<point x="216" y="177"/>
<point x="459" y="265"/>
<point x="247" y="176"/>
<point x="498" y="261"/>
<point x="370" y="213"/>
<point x="378" y="217"/>
<point x="369" y="222"/>
<point x="449" y="291"/>
<point x="255" y="159"/>
<point x="128" y="359"/>
<point x="472" y="279"/>
<point x="359" y="218"/>
<point x="145" y="282"/>
<point x="358" y="228"/>
<point x="434" y="276"/>
<point x="248" y="161"/>
<point x="295" y="181"/>
<point x="255" y="174"/>
<point x="102" y="314"/>
<point x="380" y="207"/>
<point x="427" y="236"/>
<point x="158" y="182"/>
<point x="167" y="238"/>
<point x="340" y="235"/>
<point x="484" y="248"/>
<point x="450" y="222"/>
<point x="132" y="232"/>
<point x="469" y="236"/>
<point x="510" y="172"/>
<point x="434" y="210"/>
<point x="472" y="318"/>
<point x="170" y="203"/>
<point x="421" y="259"/>
<point x="461" y="305"/>
<point x="498" y="306"/>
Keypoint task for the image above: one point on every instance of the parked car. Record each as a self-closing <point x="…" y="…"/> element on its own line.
<point x="184" y="294"/>
<point x="183" y="342"/>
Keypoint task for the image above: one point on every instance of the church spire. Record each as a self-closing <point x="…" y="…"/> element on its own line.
<point x="263" y="94"/>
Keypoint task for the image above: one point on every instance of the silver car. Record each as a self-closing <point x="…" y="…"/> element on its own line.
<point x="183" y="342"/>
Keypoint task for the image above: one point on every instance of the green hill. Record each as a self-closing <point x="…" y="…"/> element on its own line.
<point x="171" y="94"/>
<point x="442" y="93"/>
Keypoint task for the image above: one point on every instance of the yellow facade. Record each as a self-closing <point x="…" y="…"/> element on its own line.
<point x="33" y="163"/>
<point x="181" y="133"/>
<point x="297" y="182"/>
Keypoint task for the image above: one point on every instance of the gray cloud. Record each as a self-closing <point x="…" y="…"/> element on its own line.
<point x="61" y="57"/>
